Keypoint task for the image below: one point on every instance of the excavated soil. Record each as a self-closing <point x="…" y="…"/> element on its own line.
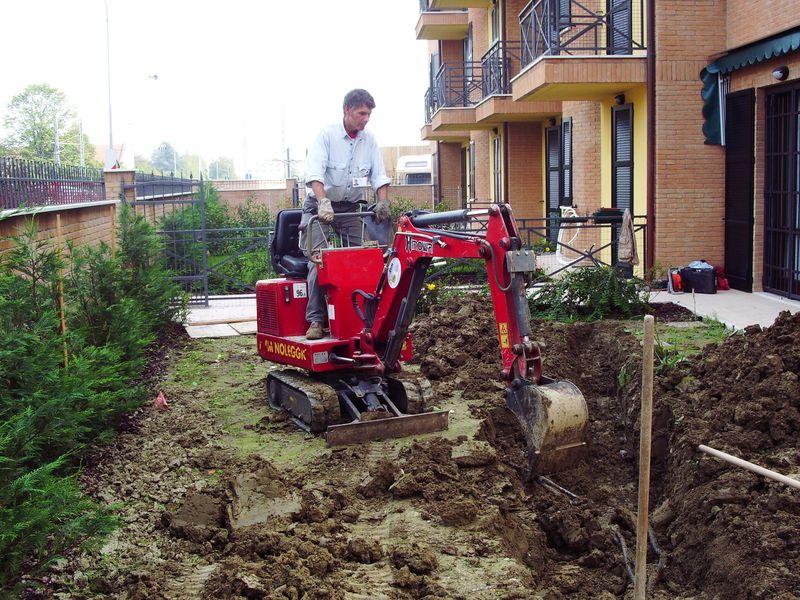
<point x="222" y="498"/>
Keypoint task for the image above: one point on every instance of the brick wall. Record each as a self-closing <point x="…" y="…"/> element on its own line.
<point x="274" y="200"/>
<point x="750" y="20"/>
<point x="421" y="196"/>
<point x="479" y="17"/>
<point x="585" y="154"/>
<point x="452" y="52"/>
<point x="449" y="170"/>
<point x="483" y="175"/>
<point x="524" y="171"/>
<point x="84" y="225"/>
<point x="690" y="179"/>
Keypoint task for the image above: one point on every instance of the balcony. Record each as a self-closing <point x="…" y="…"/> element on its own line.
<point x="501" y="63"/>
<point x="445" y="25"/>
<point x="456" y="4"/>
<point x="571" y="52"/>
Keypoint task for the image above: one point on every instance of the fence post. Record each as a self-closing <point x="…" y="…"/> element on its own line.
<point x="112" y="213"/>
<point x="61" y="290"/>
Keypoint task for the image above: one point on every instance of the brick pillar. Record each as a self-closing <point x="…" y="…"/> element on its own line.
<point x="115" y="184"/>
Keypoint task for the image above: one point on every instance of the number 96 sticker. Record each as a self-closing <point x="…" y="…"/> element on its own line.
<point x="299" y="290"/>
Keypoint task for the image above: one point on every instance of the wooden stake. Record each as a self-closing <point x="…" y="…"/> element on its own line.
<point x="645" y="434"/>
<point x="61" y="291"/>
<point x="113" y="214"/>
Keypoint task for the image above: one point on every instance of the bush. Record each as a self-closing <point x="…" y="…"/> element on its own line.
<point x="589" y="294"/>
<point x="50" y="412"/>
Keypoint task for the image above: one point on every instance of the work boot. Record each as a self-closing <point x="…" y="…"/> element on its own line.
<point x="315" y="332"/>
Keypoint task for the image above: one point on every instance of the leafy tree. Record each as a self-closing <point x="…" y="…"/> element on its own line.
<point x="30" y="123"/>
<point x="142" y="163"/>
<point x="165" y="158"/>
<point x="222" y="168"/>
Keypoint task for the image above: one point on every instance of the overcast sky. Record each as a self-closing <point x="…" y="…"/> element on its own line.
<point x="226" y="71"/>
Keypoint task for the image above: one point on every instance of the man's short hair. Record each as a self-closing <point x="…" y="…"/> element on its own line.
<point x="358" y="98"/>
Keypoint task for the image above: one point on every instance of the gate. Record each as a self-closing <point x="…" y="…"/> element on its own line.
<point x="782" y="193"/>
<point x="219" y="262"/>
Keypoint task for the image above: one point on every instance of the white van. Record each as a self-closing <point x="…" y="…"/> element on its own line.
<point x="414" y="169"/>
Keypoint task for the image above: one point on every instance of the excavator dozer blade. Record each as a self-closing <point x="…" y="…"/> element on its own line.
<point x="553" y="416"/>
<point x="384" y="429"/>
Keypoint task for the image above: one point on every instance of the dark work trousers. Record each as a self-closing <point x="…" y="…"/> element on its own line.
<point x="350" y="230"/>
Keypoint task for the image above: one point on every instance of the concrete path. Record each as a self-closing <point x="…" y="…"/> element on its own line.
<point x="229" y="316"/>
<point x="225" y="316"/>
<point x="732" y="307"/>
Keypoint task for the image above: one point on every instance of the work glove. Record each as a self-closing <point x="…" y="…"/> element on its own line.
<point x="325" y="211"/>
<point x="382" y="211"/>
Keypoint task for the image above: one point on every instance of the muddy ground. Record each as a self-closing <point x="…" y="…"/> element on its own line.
<point x="222" y="498"/>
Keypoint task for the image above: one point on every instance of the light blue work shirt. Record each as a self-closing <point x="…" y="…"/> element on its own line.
<point x="335" y="159"/>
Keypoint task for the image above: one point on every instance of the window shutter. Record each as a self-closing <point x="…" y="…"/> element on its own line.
<point x="622" y="172"/>
<point x="620" y="26"/>
<point x="472" y="170"/>
<point x="564" y="13"/>
<point x="566" y="163"/>
<point x="553" y="160"/>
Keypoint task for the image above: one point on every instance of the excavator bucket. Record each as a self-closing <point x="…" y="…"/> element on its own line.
<point x="553" y="416"/>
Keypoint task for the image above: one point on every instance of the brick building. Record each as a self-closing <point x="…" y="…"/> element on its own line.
<point x="544" y="104"/>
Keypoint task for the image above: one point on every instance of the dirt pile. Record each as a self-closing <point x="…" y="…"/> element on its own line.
<point x="742" y="397"/>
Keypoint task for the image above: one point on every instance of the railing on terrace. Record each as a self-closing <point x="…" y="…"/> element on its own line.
<point x="430" y="104"/>
<point x="425" y="6"/>
<point x="28" y="183"/>
<point x="150" y="185"/>
<point x="559" y="27"/>
<point x="583" y="241"/>
<point x="498" y="66"/>
<point x="458" y="85"/>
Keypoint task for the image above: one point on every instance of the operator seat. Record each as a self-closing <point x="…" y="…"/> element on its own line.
<point x="284" y="246"/>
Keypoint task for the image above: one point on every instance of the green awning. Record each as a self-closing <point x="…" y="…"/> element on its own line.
<point x="750" y="55"/>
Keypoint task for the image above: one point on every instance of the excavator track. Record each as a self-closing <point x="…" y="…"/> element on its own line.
<point x="418" y="393"/>
<point x="313" y="405"/>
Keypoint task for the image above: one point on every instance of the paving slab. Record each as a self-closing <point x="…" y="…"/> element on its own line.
<point x="734" y="308"/>
<point x="246" y="328"/>
<point x="210" y="331"/>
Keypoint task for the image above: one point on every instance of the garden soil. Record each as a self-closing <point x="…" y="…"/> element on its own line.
<point x="222" y="498"/>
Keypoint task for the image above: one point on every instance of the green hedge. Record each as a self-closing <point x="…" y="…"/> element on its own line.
<point x="51" y="413"/>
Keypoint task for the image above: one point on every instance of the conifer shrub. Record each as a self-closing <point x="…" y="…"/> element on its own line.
<point x="50" y="413"/>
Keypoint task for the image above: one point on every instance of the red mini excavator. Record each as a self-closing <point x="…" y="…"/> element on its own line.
<point x="350" y="384"/>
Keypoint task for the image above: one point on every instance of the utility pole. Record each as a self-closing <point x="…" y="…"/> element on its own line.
<point x="174" y="162"/>
<point x="111" y="156"/>
<point x="80" y="145"/>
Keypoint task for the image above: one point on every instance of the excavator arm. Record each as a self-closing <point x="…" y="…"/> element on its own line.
<point x="553" y="414"/>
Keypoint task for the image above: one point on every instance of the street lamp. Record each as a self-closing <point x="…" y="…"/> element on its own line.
<point x="111" y="157"/>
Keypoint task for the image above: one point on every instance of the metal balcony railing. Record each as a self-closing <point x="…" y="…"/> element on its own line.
<point x="498" y="66"/>
<point x="458" y="85"/>
<point x="430" y="104"/>
<point x="558" y="27"/>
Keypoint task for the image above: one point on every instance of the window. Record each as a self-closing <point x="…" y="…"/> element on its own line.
<point x="622" y="157"/>
<point x="472" y="193"/>
<point x="620" y="27"/>
<point x="497" y="165"/>
<point x="558" y="154"/>
<point x="495" y="22"/>
<point x="468" y="55"/>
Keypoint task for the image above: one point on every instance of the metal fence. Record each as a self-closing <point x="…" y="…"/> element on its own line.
<point x="28" y="183"/>
<point x="568" y="27"/>
<point x="583" y="241"/>
<point x="150" y="185"/>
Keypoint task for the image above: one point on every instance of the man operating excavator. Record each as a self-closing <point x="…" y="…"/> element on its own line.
<point x="342" y="163"/>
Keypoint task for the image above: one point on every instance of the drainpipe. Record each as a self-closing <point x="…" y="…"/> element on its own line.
<point x="505" y="163"/>
<point x="650" y="237"/>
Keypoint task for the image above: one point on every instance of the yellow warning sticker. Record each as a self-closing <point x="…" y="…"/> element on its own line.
<point x="504" y="335"/>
